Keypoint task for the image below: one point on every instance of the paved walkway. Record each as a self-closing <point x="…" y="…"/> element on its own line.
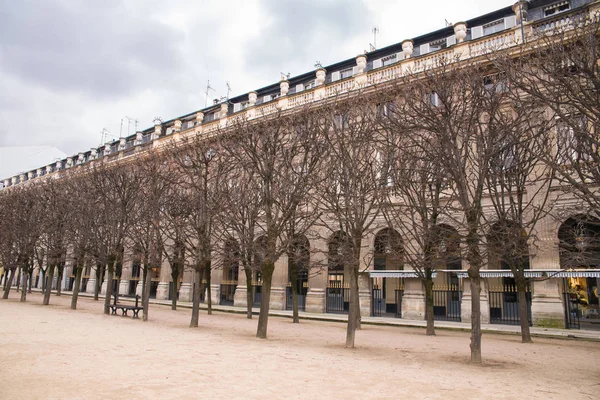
<point x="592" y="335"/>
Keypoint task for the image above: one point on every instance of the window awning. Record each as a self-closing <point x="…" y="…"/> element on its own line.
<point x="394" y="274"/>
<point x="581" y="273"/>
<point x="493" y="273"/>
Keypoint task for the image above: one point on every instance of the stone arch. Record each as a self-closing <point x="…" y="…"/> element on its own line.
<point x="388" y="250"/>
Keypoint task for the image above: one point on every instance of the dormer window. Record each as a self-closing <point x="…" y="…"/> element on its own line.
<point x="346" y="73"/>
<point x="557" y="8"/>
<point x="493" y="27"/>
<point x="438" y="45"/>
<point x="309" y="85"/>
<point x="391" y="59"/>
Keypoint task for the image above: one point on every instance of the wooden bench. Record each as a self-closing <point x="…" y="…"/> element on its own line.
<point x="125" y="308"/>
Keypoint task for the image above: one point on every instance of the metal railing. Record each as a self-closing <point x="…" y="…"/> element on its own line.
<point x="446" y="303"/>
<point x="504" y="305"/>
<point x="337" y="299"/>
<point x="227" y="294"/>
<point x="301" y="299"/>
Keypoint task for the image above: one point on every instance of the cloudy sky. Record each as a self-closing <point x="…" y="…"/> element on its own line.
<point x="70" y="68"/>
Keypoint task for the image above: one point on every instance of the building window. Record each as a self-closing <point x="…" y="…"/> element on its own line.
<point x="557" y="8"/>
<point x="493" y="27"/>
<point x="432" y="99"/>
<point x="495" y="83"/>
<point x="438" y="45"/>
<point x="568" y="146"/>
<point x="309" y="85"/>
<point x="384" y="109"/>
<point x="341" y="121"/>
<point x="391" y="59"/>
<point x="346" y="73"/>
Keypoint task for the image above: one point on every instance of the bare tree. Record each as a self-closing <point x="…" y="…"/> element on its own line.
<point x="117" y="189"/>
<point x="457" y="114"/>
<point x="350" y="194"/>
<point x="198" y="162"/>
<point x="418" y="197"/>
<point x="282" y="157"/>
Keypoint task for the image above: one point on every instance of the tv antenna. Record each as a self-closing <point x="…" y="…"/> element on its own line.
<point x="208" y="87"/>
<point x="285" y="76"/>
<point x="228" y="89"/>
<point x="375" y="31"/>
<point x="105" y="135"/>
<point x="135" y="124"/>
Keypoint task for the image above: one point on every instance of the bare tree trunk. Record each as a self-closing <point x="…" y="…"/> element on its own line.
<point x="265" y="301"/>
<point x="6" y="273"/>
<point x="49" y="278"/>
<point x="24" y="283"/>
<point x="175" y="278"/>
<point x="109" y="283"/>
<point x="196" y="301"/>
<point x="430" y="331"/>
<point x="207" y="275"/>
<point x="30" y="281"/>
<point x="76" y="286"/>
<point x="98" y="282"/>
<point x="59" y="277"/>
<point x="8" y="284"/>
<point x="523" y="312"/>
<point x="294" y="283"/>
<point x="18" y="279"/>
<point x="43" y="278"/>
<point x="352" y="309"/>
<point x="146" y="293"/>
<point x="249" y="296"/>
<point x="475" y="320"/>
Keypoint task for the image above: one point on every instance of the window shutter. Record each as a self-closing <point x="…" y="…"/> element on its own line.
<point x="451" y="41"/>
<point x="399" y="56"/>
<point x="267" y="98"/>
<point x="510" y="22"/>
<point x="424" y="49"/>
<point x="476" y="32"/>
<point x="237" y="107"/>
<point x="354" y="70"/>
<point x="377" y="63"/>
<point x="299" y="87"/>
<point x="335" y="76"/>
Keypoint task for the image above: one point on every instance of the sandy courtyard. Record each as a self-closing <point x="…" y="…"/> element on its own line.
<point x="56" y="353"/>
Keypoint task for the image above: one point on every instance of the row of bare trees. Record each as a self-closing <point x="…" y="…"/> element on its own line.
<point x="481" y="147"/>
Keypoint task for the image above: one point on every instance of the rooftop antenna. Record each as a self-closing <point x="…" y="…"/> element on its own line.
<point x="375" y="31"/>
<point x="285" y="76"/>
<point x="129" y="119"/>
<point x="228" y="89"/>
<point x="105" y="134"/>
<point x="208" y="87"/>
<point x="448" y="23"/>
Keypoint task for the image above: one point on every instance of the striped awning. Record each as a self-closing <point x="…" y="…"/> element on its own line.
<point x="493" y="273"/>
<point x="581" y="273"/>
<point x="395" y="274"/>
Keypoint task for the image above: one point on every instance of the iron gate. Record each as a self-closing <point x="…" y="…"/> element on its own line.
<point x="571" y="310"/>
<point x="504" y="305"/>
<point x="337" y="299"/>
<point x="446" y="303"/>
<point x="301" y="299"/>
<point x="379" y="306"/>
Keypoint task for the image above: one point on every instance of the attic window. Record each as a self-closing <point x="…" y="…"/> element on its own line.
<point x="493" y="27"/>
<point x="438" y="45"/>
<point x="557" y="8"/>
<point x="346" y="73"/>
<point x="391" y="59"/>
